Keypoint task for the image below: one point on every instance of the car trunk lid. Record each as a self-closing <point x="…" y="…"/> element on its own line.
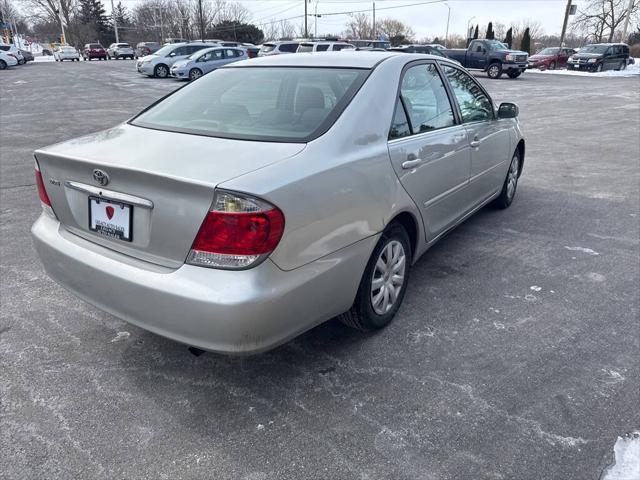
<point x="166" y="179"/>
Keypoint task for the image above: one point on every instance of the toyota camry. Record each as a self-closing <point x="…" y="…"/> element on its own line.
<point x="273" y="194"/>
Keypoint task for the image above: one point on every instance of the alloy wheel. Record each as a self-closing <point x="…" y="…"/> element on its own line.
<point x="512" y="177"/>
<point x="388" y="277"/>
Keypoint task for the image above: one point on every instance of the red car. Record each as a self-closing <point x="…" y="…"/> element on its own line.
<point x="94" y="50"/>
<point x="551" y="58"/>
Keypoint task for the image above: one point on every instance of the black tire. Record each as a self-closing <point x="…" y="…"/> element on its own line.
<point x="3" y="65"/>
<point x="514" y="73"/>
<point x="494" y="70"/>
<point x="194" y="74"/>
<point x="552" y="66"/>
<point x="623" y="65"/>
<point x="362" y="315"/>
<point x="599" y="67"/>
<point x="506" y="195"/>
<point x="21" y="62"/>
<point x="161" y="71"/>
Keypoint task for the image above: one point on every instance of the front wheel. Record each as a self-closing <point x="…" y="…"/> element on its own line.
<point x="384" y="282"/>
<point x="599" y="68"/>
<point x="3" y="64"/>
<point x="161" y="71"/>
<point x="194" y="74"/>
<point x="514" y="73"/>
<point x="510" y="183"/>
<point x="494" y="70"/>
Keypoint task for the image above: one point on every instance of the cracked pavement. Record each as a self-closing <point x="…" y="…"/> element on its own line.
<point x="514" y="356"/>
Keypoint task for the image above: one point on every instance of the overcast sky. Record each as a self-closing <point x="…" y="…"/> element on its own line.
<point x="425" y="19"/>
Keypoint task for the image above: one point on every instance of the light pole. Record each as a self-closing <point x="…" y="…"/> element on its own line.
<point x="446" y="36"/>
<point x="63" y="40"/>
<point x="315" y="27"/>
<point x="468" y="27"/>
<point x="115" y="22"/>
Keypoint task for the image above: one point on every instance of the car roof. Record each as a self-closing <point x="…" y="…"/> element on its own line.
<point x="341" y="59"/>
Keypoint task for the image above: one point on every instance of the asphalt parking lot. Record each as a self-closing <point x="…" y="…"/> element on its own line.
<point x="514" y="356"/>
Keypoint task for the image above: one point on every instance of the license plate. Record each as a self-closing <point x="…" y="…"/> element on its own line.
<point x="111" y="219"/>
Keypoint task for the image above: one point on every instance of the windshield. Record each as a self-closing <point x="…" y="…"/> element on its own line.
<point x="166" y="50"/>
<point x="495" y="45"/>
<point x="285" y="104"/>
<point x="594" y="49"/>
<point x="199" y="53"/>
<point x="95" y="45"/>
<point x="549" y="51"/>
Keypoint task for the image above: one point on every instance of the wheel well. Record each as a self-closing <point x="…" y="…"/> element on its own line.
<point x="520" y="148"/>
<point x="410" y="225"/>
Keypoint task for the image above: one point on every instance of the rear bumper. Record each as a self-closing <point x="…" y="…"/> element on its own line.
<point x="234" y="312"/>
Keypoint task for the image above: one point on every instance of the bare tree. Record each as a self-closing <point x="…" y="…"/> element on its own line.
<point x="396" y="31"/>
<point x="601" y="18"/>
<point x="359" y="26"/>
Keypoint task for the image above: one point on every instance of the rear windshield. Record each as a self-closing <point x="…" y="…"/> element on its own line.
<point x="5" y="47"/>
<point x="268" y="47"/>
<point x="122" y="45"/>
<point x="95" y="45"/>
<point x="290" y="104"/>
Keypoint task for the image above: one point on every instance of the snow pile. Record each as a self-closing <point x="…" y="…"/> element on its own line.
<point x="630" y="71"/>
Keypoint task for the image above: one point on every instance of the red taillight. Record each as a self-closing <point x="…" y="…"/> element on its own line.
<point x="237" y="232"/>
<point x="44" y="198"/>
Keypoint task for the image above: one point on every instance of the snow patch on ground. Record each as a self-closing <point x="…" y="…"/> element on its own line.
<point x="583" y="250"/>
<point x="626" y="464"/>
<point x="630" y="71"/>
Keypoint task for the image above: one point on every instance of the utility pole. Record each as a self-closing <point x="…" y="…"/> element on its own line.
<point x="446" y="36"/>
<point x="201" y="20"/>
<point x="63" y="40"/>
<point x="374" y="22"/>
<point x="115" y="22"/>
<point x="306" y="30"/>
<point x="566" y="20"/>
<point x="315" y="28"/>
<point x="626" y="21"/>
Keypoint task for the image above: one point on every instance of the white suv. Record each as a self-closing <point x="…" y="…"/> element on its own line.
<point x="324" y="47"/>
<point x="120" y="50"/>
<point x="278" y="48"/>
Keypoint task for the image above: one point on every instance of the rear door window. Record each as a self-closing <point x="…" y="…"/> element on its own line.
<point x="425" y="98"/>
<point x="400" y="126"/>
<point x="289" y="47"/>
<point x="322" y="47"/>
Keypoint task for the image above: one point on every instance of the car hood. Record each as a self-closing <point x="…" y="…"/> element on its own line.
<point x="181" y="63"/>
<point x="153" y="56"/>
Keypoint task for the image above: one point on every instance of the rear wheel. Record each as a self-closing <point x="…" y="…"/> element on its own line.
<point x="3" y="64"/>
<point x="510" y="183"/>
<point x="384" y="282"/>
<point x="161" y="71"/>
<point x="495" y="70"/>
<point x="194" y="74"/>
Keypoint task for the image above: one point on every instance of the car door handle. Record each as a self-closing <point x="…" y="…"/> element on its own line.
<point x="412" y="161"/>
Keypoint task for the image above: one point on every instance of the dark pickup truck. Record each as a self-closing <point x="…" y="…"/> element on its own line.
<point x="491" y="56"/>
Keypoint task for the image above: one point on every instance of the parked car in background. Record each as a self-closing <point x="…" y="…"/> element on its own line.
<point x="492" y="57"/>
<point x="27" y="55"/>
<point x="428" y="49"/>
<point x="274" y="194"/>
<point x="15" y="51"/>
<point x="146" y="48"/>
<point x="551" y="58"/>
<point x="205" y="61"/>
<point x="94" y="50"/>
<point x="323" y="46"/>
<point x="278" y="48"/>
<point x="175" y="40"/>
<point x="159" y="64"/>
<point x="66" y="52"/>
<point x="370" y="44"/>
<point x="252" y="51"/>
<point x="120" y="50"/>
<point x="7" y="59"/>
<point x="600" y="56"/>
<point x="437" y="45"/>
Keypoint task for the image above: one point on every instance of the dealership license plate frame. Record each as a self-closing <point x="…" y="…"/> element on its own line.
<point x="103" y="230"/>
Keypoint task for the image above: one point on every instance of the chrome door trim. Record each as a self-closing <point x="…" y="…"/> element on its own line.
<point x="109" y="194"/>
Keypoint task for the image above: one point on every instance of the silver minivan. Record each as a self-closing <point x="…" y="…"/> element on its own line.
<point x="159" y="64"/>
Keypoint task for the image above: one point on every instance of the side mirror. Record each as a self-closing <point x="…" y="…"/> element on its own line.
<point x="508" y="110"/>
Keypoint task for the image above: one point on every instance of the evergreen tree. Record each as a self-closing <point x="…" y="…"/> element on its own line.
<point x="509" y="38"/>
<point x="121" y="14"/>
<point x="93" y="15"/>
<point x="490" y="35"/>
<point x="525" y="45"/>
<point x="475" y="33"/>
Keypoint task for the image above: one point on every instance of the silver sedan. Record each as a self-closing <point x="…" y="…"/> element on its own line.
<point x="274" y="194"/>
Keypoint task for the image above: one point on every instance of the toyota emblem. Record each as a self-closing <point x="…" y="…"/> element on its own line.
<point x="101" y="177"/>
